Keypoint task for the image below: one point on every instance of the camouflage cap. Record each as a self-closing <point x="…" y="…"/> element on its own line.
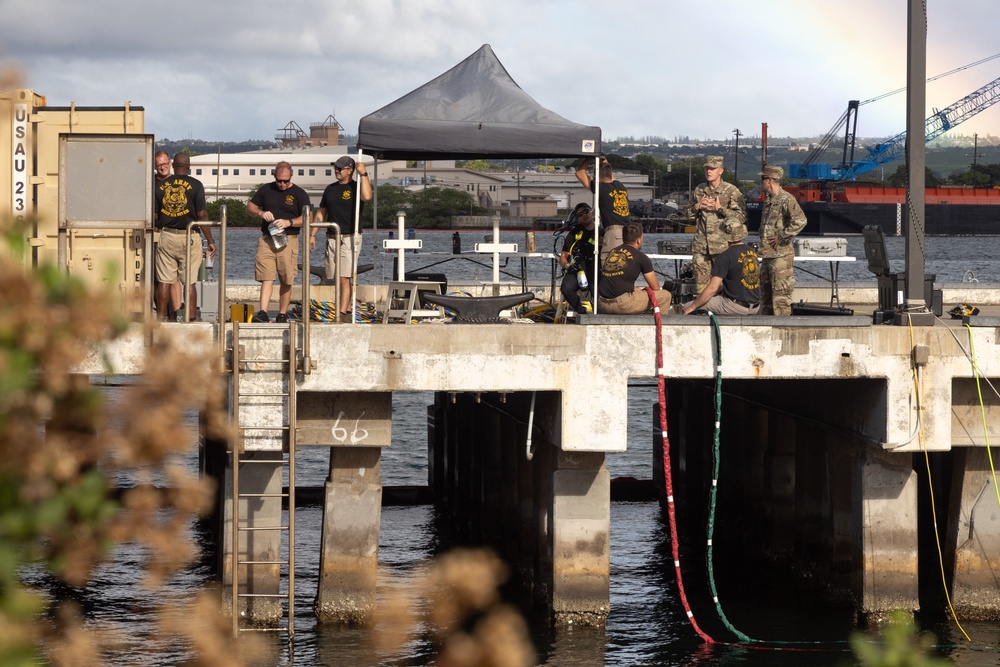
<point x="772" y="172"/>
<point x="713" y="161"/>
<point x="733" y="231"/>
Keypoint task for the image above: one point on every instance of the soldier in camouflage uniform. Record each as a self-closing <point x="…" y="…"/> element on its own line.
<point x="780" y="221"/>
<point x="712" y="204"/>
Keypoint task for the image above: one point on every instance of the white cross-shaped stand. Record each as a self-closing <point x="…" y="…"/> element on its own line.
<point x="401" y="244"/>
<point x="496" y="248"/>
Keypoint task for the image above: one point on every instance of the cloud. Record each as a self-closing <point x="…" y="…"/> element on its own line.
<point x="234" y="70"/>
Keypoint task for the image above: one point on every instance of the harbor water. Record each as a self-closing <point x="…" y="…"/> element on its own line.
<point x="647" y="624"/>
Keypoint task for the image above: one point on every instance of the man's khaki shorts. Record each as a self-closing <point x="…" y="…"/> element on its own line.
<point x="169" y="260"/>
<point x="344" y="254"/>
<point x="270" y="263"/>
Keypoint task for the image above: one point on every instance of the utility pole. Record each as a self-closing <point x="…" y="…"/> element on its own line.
<point x="736" y="161"/>
<point x="763" y="146"/>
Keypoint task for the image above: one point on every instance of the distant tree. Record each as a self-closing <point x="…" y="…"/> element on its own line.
<point x="434" y="207"/>
<point x="480" y="165"/>
<point x="980" y="176"/>
<point x="236" y="212"/>
<point x="391" y="199"/>
<point x="619" y="163"/>
<point x="658" y="171"/>
<point x="898" y="178"/>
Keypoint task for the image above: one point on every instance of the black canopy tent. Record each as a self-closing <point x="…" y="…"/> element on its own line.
<point x="474" y="110"/>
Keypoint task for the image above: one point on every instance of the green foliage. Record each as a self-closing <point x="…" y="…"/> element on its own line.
<point x="391" y="200"/>
<point x="426" y="208"/>
<point x="980" y="176"/>
<point x="480" y="165"/>
<point x="236" y="212"/>
<point x="900" y="646"/>
<point x="898" y="178"/>
<point x="434" y="207"/>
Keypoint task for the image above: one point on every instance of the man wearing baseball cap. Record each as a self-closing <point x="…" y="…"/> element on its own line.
<point x="734" y="288"/>
<point x="338" y="205"/>
<point x="713" y="203"/>
<point x="780" y="221"/>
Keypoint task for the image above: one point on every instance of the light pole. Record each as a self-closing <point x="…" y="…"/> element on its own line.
<point x="736" y="161"/>
<point x="975" y="154"/>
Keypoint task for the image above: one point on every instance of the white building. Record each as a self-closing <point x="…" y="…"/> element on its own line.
<point x="238" y="175"/>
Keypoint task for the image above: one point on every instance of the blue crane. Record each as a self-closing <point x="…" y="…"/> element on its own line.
<point x="882" y="153"/>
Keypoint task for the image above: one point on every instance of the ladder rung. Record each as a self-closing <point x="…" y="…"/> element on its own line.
<point x="262" y="460"/>
<point x="283" y="394"/>
<point x="263" y="562"/>
<point x="276" y="360"/>
<point x="263" y="495"/>
<point x="252" y="528"/>
<point x="264" y="595"/>
<point x="278" y="629"/>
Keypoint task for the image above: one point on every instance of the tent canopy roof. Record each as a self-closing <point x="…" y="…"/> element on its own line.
<point x="475" y="109"/>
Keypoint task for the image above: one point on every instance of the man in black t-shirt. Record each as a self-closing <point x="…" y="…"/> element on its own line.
<point x="612" y="197"/>
<point x="280" y="202"/>
<point x="734" y="285"/>
<point x="339" y="204"/>
<point x="617" y="294"/>
<point x="180" y="200"/>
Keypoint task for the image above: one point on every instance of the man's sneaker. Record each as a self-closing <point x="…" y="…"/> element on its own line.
<point x="260" y="316"/>
<point x="281" y="318"/>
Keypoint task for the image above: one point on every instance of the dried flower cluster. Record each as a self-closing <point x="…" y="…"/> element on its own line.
<point x="62" y="443"/>
<point x="456" y="600"/>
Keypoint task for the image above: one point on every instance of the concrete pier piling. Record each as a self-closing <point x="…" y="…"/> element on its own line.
<point x="352" y="509"/>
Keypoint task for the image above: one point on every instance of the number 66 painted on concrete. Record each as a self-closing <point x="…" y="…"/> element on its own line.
<point x="340" y="433"/>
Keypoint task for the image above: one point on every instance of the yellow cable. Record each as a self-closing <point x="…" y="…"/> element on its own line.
<point x="930" y="486"/>
<point x="982" y="409"/>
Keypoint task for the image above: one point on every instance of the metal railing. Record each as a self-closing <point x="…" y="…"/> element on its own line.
<point x="220" y="251"/>
<point x="307" y="225"/>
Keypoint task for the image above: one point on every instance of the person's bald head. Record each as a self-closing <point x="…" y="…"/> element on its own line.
<point x="182" y="163"/>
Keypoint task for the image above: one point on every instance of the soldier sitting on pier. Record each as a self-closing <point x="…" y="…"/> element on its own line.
<point x="616" y="290"/>
<point x="734" y="288"/>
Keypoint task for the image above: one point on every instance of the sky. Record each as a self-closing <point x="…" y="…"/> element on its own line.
<point x="235" y="70"/>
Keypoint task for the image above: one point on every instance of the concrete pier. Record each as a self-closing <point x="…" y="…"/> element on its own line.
<point x="975" y="540"/>
<point x="348" y="561"/>
<point x="826" y="423"/>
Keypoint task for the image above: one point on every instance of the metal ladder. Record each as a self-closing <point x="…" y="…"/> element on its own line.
<point x="265" y="436"/>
